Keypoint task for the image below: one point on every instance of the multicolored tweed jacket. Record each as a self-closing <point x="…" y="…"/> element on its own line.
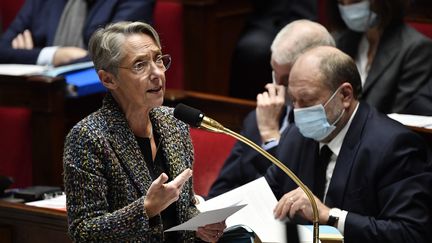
<point x="106" y="178"/>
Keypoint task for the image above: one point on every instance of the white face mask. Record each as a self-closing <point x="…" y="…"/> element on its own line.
<point x="312" y="121"/>
<point x="358" y="16"/>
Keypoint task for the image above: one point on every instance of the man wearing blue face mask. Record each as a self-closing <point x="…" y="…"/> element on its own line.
<point x="269" y="121"/>
<point x="370" y="175"/>
<point x="393" y="59"/>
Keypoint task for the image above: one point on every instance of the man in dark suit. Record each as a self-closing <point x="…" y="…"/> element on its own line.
<point x="31" y="37"/>
<point x="265" y="125"/>
<point x="375" y="184"/>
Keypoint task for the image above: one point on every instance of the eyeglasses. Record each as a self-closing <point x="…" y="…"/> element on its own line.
<point x="162" y="61"/>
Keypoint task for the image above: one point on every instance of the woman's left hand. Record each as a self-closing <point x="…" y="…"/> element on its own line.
<point x="211" y="232"/>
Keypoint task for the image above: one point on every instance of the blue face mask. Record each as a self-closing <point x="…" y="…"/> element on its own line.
<point x="358" y="16"/>
<point x="312" y="121"/>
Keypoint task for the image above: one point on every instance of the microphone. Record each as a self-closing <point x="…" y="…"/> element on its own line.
<point x="196" y="118"/>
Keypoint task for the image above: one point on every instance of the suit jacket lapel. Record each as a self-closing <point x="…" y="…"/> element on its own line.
<point x="168" y="142"/>
<point x="383" y="58"/>
<point x="128" y="152"/>
<point x="346" y="159"/>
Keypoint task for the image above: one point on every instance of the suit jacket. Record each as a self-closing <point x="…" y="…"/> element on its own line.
<point x="400" y="70"/>
<point x="244" y="164"/>
<point x="41" y="17"/>
<point x="106" y="178"/>
<point x="382" y="177"/>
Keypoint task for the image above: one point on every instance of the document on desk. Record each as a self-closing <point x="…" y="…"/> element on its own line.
<point x="257" y="215"/>
<point x="29" y="69"/>
<point x="58" y="203"/>
<point x="21" y="69"/>
<point x="412" y="120"/>
<point x="207" y="217"/>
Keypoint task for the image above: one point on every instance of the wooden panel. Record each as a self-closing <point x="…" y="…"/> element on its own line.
<point x="421" y="11"/>
<point x="211" y="30"/>
<point x="25" y="224"/>
<point x="230" y="112"/>
<point x="45" y="98"/>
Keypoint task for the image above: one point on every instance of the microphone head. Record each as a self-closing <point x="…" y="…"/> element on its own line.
<point x="188" y="115"/>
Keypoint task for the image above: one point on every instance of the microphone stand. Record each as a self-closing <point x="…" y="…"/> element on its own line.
<point x="215" y="126"/>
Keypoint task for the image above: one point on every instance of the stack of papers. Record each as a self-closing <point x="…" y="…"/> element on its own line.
<point x="257" y="202"/>
<point x="413" y="120"/>
<point x="81" y="78"/>
<point x="21" y="69"/>
<point x="58" y="203"/>
<point x="29" y="70"/>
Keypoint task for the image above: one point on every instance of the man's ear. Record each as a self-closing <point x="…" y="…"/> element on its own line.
<point x="108" y="80"/>
<point x="347" y="93"/>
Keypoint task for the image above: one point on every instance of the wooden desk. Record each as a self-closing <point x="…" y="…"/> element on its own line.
<point x="20" y="223"/>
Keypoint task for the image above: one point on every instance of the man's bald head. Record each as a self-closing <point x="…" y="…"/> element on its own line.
<point x="332" y="65"/>
<point x="297" y="37"/>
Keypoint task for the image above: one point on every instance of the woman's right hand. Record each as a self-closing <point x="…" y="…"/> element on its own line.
<point x="161" y="194"/>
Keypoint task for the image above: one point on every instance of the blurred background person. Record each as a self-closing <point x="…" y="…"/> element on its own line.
<point x="56" y="32"/>
<point x="393" y="59"/>
<point x="126" y="166"/>
<point x="250" y="62"/>
<point x="269" y="120"/>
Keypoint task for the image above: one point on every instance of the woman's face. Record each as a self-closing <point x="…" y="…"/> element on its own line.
<point x="143" y="87"/>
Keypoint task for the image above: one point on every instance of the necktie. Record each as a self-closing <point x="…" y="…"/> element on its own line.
<point x="320" y="171"/>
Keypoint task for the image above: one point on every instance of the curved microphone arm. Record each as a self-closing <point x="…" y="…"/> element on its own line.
<point x="215" y="126"/>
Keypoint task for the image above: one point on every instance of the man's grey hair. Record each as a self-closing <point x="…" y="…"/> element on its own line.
<point x="296" y="38"/>
<point x="105" y="45"/>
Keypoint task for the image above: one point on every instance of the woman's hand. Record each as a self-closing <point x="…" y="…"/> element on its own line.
<point x="211" y="232"/>
<point x="161" y="194"/>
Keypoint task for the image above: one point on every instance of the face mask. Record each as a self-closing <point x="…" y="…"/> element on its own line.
<point x="358" y="16"/>
<point x="312" y="121"/>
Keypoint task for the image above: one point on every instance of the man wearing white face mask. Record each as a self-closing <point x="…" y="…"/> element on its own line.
<point x="374" y="184"/>
<point x="393" y="59"/>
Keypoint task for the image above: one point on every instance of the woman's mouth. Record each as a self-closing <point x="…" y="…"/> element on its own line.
<point x="155" y="90"/>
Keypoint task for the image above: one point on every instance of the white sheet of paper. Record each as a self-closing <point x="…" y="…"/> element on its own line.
<point x="28" y="69"/>
<point x="207" y="217"/>
<point x="56" y="203"/>
<point x="412" y="120"/>
<point x="21" y="69"/>
<point x="257" y="215"/>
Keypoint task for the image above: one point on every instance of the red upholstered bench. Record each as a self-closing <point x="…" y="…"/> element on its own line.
<point x="423" y="27"/>
<point x="211" y="150"/>
<point x="15" y="145"/>
<point x="8" y="10"/>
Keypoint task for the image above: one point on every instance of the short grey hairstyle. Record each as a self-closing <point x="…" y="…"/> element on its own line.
<point x="296" y="38"/>
<point x="335" y="68"/>
<point x="105" y="45"/>
<point x="338" y="68"/>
